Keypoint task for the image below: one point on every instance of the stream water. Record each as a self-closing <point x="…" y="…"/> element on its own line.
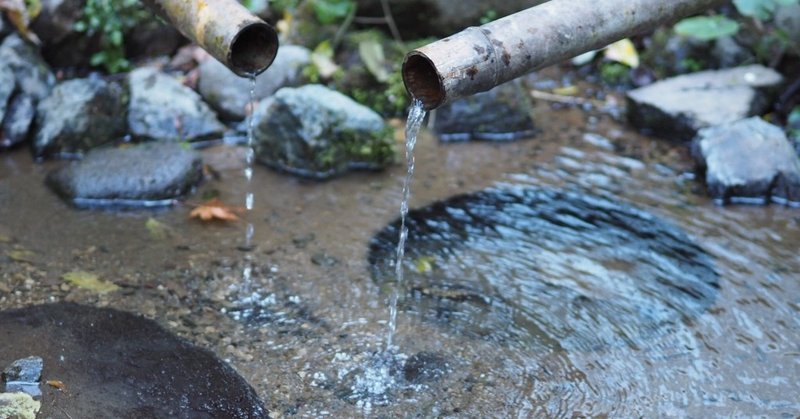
<point x="637" y="296"/>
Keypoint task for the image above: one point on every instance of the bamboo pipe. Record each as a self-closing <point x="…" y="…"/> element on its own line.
<point x="479" y="58"/>
<point x="228" y="31"/>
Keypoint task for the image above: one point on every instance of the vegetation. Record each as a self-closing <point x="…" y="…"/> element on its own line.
<point x="110" y="20"/>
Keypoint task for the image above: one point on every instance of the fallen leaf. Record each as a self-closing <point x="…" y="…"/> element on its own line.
<point x="623" y="52"/>
<point x="57" y="384"/>
<point x="371" y="53"/>
<point x="20" y="16"/>
<point x="566" y="90"/>
<point x="214" y="209"/>
<point x="22" y="255"/>
<point x="89" y="281"/>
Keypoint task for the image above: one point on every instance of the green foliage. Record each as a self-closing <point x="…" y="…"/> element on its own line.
<point x="760" y="9"/>
<point x="614" y="73"/>
<point x="489" y="16"/>
<point x="331" y="11"/>
<point x="707" y="28"/>
<point x="793" y="123"/>
<point x="110" y="20"/>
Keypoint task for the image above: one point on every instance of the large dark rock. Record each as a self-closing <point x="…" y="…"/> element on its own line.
<point x="748" y="161"/>
<point x="503" y="113"/>
<point x="19" y="118"/>
<point x="442" y="17"/>
<point x="229" y="93"/>
<point x="146" y="175"/>
<point x="678" y="107"/>
<point x="116" y="364"/>
<point x="317" y="132"/>
<point x="161" y="108"/>
<point x="78" y="115"/>
<point x="57" y="20"/>
<point x="31" y="73"/>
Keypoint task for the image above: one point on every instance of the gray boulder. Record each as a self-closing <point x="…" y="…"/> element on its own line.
<point x="676" y="108"/>
<point x="503" y="113"/>
<point x="149" y="174"/>
<point x="229" y="93"/>
<point x="19" y="118"/>
<point x="31" y="73"/>
<point x="6" y="88"/>
<point x="317" y="132"/>
<point x="748" y="161"/>
<point x="79" y="114"/>
<point x="161" y="108"/>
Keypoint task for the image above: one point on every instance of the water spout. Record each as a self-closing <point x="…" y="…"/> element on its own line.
<point x="479" y="58"/>
<point x="228" y="31"/>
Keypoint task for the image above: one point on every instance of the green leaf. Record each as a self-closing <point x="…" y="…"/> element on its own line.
<point x="89" y="281"/>
<point x="329" y="11"/>
<point x="371" y="53"/>
<point x="706" y="28"/>
<point x="759" y="9"/>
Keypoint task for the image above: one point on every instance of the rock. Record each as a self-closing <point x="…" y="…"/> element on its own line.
<point x="161" y="108"/>
<point x="442" y="17"/>
<point x="728" y="53"/>
<point x="79" y="114"/>
<point x="27" y="370"/>
<point x="57" y="20"/>
<point x="123" y="366"/>
<point x="748" y="161"/>
<point x="31" y="73"/>
<point x="503" y="113"/>
<point x="6" y="88"/>
<point x="152" y="38"/>
<point x="144" y="175"/>
<point x="18" y="120"/>
<point x="18" y="406"/>
<point x="676" y="108"/>
<point x="229" y="93"/>
<point x="316" y="132"/>
<point x="5" y="27"/>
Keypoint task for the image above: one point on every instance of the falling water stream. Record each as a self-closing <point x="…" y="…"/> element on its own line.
<point x="247" y="272"/>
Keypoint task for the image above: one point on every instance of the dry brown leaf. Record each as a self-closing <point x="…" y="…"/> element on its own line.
<point x="17" y="13"/>
<point x="57" y="384"/>
<point x="214" y="209"/>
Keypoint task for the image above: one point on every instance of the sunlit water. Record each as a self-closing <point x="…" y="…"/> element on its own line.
<point x="249" y="296"/>
<point x="727" y="351"/>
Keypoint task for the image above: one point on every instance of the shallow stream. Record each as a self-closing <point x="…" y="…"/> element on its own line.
<point x="694" y="311"/>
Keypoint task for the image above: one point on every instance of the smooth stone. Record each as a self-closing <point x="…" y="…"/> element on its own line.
<point x="18" y="121"/>
<point x="121" y="365"/>
<point x="161" y="108"/>
<point x="6" y="88"/>
<point x="229" y="94"/>
<point x="79" y="114"/>
<point x="676" y="108"/>
<point x="18" y="406"/>
<point x="28" y="370"/>
<point x="151" y="174"/>
<point x="748" y="161"/>
<point x="316" y="132"/>
<point x="501" y="114"/>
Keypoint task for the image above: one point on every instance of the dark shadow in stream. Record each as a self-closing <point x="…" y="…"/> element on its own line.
<point x="547" y="269"/>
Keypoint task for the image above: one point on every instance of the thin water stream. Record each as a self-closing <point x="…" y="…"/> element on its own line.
<point x="249" y="296"/>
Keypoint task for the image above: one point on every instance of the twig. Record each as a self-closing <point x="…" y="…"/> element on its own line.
<point x="337" y="39"/>
<point x="387" y="13"/>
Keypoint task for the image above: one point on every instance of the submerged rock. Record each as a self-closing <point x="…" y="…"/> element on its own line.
<point x="79" y="114"/>
<point x="145" y="175"/>
<point x="161" y="108"/>
<point x="23" y="375"/>
<point x="18" y="121"/>
<point x="748" y="161"/>
<point x="316" y="132"/>
<point x="229" y="93"/>
<point x="503" y="113"/>
<point x="18" y="406"/>
<point x="547" y="269"/>
<point x="678" y="107"/>
<point x="123" y="366"/>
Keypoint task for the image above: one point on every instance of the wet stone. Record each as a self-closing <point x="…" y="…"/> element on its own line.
<point x="313" y="131"/>
<point x="229" y="93"/>
<point x="19" y="118"/>
<point x="144" y="370"/>
<point x="501" y="114"/>
<point x="27" y="370"/>
<point x="676" y="108"/>
<point x="425" y="367"/>
<point x="32" y="74"/>
<point x="144" y="175"/>
<point x="323" y="259"/>
<point x="546" y="269"/>
<point x="748" y="161"/>
<point x="79" y="114"/>
<point x="161" y="108"/>
<point x="6" y="88"/>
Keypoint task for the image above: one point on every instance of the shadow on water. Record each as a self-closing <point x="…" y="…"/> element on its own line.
<point x="549" y="268"/>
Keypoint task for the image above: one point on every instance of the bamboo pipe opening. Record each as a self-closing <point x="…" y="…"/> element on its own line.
<point x="253" y="49"/>
<point x="422" y="80"/>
